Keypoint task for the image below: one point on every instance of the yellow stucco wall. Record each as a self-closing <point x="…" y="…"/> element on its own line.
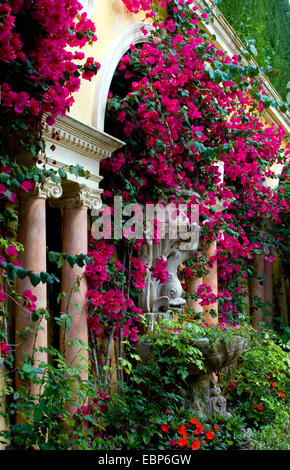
<point x="110" y="18"/>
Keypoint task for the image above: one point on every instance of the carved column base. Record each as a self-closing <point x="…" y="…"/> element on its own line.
<point x="203" y="395"/>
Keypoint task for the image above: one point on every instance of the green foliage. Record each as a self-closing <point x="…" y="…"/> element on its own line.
<point x="46" y="423"/>
<point x="274" y="436"/>
<point x="258" y="386"/>
<point x="267" y="23"/>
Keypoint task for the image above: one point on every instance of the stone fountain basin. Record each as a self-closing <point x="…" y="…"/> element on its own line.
<point x="215" y="356"/>
<point x="218" y="355"/>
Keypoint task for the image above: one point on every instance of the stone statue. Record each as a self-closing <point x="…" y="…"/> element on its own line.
<point x="157" y="297"/>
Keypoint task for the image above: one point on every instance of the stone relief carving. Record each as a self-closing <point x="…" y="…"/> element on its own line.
<point x="158" y="297"/>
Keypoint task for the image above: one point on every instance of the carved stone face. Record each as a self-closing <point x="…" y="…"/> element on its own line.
<point x="173" y="290"/>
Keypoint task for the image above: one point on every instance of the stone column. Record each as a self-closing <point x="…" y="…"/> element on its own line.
<point x="73" y="282"/>
<point x="268" y="290"/>
<point x="191" y="286"/>
<point x="32" y="234"/>
<point x="211" y="279"/>
<point x="257" y="290"/>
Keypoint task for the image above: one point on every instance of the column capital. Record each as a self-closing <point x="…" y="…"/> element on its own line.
<point x="49" y="189"/>
<point x="81" y="197"/>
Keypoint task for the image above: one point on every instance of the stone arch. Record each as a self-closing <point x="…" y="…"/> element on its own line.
<point x="131" y="35"/>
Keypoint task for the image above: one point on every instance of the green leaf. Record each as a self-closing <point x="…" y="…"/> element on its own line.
<point x="62" y="174"/>
<point x="34" y="279"/>
<point x="253" y="50"/>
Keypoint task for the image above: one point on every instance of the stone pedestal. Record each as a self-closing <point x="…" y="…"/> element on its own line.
<point x="200" y="392"/>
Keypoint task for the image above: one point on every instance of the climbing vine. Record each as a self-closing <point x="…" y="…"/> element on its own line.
<point x="185" y="109"/>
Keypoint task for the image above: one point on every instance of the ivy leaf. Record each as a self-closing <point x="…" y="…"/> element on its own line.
<point x="253" y="50"/>
<point x="46" y="278"/>
<point x="62" y="174"/>
<point x="34" y="279"/>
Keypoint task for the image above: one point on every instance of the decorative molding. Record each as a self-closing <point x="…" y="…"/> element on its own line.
<point x="80" y="137"/>
<point x="133" y="34"/>
<point x="70" y="142"/>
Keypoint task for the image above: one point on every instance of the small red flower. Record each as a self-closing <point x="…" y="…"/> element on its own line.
<point x="209" y="435"/>
<point x="260" y="407"/>
<point x="195" y="445"/>
<point x="194" y="421"/>
<point x="282" y="394"/>
<point x="182" y="442"/>
<point x="182" y="430"/>
<point x="165" y="427"/>
<point x="4" y="349"/>
<point x="198" y="430"/>
<point x="167" y="412"/>
<point x="216" y="428"/>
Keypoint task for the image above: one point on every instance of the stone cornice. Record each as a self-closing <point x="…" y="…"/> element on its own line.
<point x="232" y="44"/>
<point x="80" y="137"/>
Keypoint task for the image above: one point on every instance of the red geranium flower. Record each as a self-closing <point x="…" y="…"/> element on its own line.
<point x="194" y="421"/>
<point x="198" y="430"/>
<point x="165" y="427"/>
<point x="195" y="445"/>
<point x="282" y="394"/>
<point x="209" y="435"/>
<point x="182" y="442"/>
<point x="182" y="430"/>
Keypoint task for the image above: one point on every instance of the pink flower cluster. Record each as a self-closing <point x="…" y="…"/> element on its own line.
<point x="134" y="6"/>
<point x="4" y="349"/>
<point x="108" y="307"/>
<point x="139" y="272"/>
<point x="49" y="33"/>
<point x="27" y="296"/>
<point x="159" y="271"/>
<point x="173" y="107"/>
<point x="206" y="295"/>
<point x="29" y="300"/>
